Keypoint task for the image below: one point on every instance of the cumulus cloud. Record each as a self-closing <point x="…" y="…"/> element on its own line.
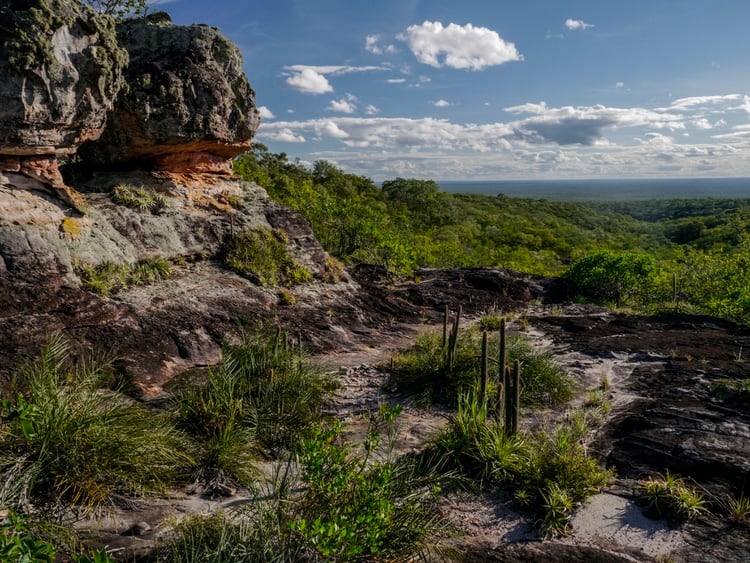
<point x="460" y="47"/>
<point x="535" y="140"/>
<point x="619" y="85"/>
<point x="372" y="110"/>
<point x="442" y="104"/>
<point x="311" y="79"/>
<point x="693" y="102"/>
<point x="265" y="113"/>
<point x="347" y="104"/>
<point x="372" y="46"/>
<point x="572" y="24"/>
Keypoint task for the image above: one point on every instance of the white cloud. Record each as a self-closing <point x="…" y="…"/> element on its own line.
<point x="347" y="104"/>
<point x="396" y="80"/>
<point x="619" y="85"/>
<point x="535" y="140"/>
<point x="697" y="101"/>
<point x="372" y="110"/>
<point x="460" y="47"/>
<point x="265" y="113"/>
<point x="442" y="104"/>
<point x="372" y="46"/>
<point x="572" y="24"/>
<point x="309" y="81"/>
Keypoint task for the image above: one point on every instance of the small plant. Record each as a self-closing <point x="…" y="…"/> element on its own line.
<point x="739" y="509"/>
<point x="107" y="278"/>
<point x="286" y="297"/>
<point x="724" y="389"/>
<point x="334" y="270"/>
<point x="490" y="322"/>
<point x="557" y="510"/>
<point x="262" y="255"/>
<point x="71" y="227"/>
<point x="668" y="496"/>
<point x="65" y="441"/>
<point x="140" y="199"/>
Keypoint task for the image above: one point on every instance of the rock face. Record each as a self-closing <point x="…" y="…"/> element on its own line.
<point x="61" y="70"/>
<point x="188" y="106"/>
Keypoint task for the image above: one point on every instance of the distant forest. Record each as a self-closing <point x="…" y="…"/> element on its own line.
<point x="690" y="254"/>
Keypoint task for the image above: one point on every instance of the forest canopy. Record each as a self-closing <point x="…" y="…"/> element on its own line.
<point x="690" y="254"/>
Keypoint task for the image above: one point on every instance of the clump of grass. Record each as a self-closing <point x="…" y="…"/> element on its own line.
<point x="422" y="371"/>
<point x="490" y="322"/>
<point x="725" y="388"/>
<point x="334" y="270"/>
<point x="264" y="397"/>
<point x="328" y="504"/>
<point x="139" y="198"/>
<point x="107" y="278"/>
<point x="71" y="227"/>
<point x="64" y="441"/>
<point x="549" y="472"/>
<point x="738" y="509"/>
<point x="668" y="496"/>
<point x="262" y="255"/>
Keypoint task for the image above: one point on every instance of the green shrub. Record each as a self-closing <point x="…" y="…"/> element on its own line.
<point x="611" y="277"/>
<point x="549" y="472"/>
<point x="668" y="496"/>
<point x="22" y="542"/>
<point x="65" y="441"/>
<point x="422" y="371"/>
<point x="262" y="255"/>
<point x="329" y="504"/>
<point x="264" y="397"/>
<point x="107" y="278"/>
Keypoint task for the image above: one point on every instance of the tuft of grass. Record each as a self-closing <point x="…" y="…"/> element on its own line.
<point x="725" y="388"/>
<point x="65" y="442"/>
<point x="71" y="227"/>
<point x="668" y="496"/>
<point x="107" y="278"/>
<point x="139" y="198"/>
<point x="264" y="397"/>
<point x="738" y="509"/>
<point x="549" y="472"/>
<point x="422" y="371"/>
<point x="262" y="255"/>
<point x="490" y="322"/>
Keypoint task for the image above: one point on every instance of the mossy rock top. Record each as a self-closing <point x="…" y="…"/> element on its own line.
<point x="61" y="68"/>
<point x="186" y="91"/>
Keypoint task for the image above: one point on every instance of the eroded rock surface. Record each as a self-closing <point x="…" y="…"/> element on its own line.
<point x="188" y="105"/>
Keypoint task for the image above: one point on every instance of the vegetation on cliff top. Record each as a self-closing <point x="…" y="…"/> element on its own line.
<point x="691" y="255"/>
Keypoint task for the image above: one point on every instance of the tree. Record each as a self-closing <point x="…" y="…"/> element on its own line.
<point x="610" y="276"/>
<point x="120" y="9"/>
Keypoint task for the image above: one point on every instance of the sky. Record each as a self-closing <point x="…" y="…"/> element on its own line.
<point x="497" y="89"/>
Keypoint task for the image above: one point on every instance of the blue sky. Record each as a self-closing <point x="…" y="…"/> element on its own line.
<point x="486" y="90"/>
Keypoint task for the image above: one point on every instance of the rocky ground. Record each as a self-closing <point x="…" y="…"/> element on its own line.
<point x="660" y="369"/>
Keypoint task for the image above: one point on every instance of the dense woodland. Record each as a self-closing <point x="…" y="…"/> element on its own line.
<point x="692" y="254"/>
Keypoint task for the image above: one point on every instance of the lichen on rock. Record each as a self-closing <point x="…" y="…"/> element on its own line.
<point x="61" y="69"/>
<point x="188" y="106"/>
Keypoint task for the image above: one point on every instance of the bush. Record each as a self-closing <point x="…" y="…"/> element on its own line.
<point x="611" y="277"/>
<point x="423" y="372"/>
<point x="549" y="472"/>
<point x="265" y="396"/>
<point x="668" y="496"/>
<point x="262" y="255"/>
<point x="330" y="504"/>
<point x="65" y="441"/>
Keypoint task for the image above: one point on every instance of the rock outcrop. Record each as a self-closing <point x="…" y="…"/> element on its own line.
<point x="61" y="69"/>
<point x="188" y="106"/>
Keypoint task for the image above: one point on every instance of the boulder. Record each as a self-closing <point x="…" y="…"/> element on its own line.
<point x="61" y="70"/>
<point x="188" y="106"/>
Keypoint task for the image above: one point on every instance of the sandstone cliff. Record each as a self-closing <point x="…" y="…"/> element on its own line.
<point x="185" y="110"/>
